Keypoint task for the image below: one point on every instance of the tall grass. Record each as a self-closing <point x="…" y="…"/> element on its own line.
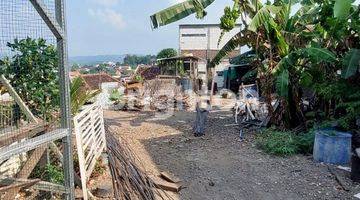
<point x="285" y="143"/>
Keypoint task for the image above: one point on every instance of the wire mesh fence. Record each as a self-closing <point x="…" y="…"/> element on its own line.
<point x="32" y="138"/>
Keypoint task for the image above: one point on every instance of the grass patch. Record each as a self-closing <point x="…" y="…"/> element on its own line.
<point x="305" y="142"/>
<point x="285" y="143"/>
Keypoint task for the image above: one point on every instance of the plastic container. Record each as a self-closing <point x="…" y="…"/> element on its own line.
<point x="332" y="147"/>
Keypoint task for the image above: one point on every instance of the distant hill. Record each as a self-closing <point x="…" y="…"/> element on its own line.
<point x="93" y="60"/>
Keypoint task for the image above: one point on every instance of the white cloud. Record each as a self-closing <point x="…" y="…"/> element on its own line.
<point x="106" y="3"/>
<point x="109" y="16"/>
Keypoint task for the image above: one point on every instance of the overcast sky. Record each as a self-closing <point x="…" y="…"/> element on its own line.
<point x="99" y="27"/>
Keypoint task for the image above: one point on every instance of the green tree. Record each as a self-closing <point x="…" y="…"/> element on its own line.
<point x="167" y="53"/>
<point x="134" y="60"/>
<point x="33" y="72"/>
<point x="75" y="67"/>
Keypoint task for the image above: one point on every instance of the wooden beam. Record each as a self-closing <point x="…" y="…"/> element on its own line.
<point x="161" y="184"/>
<point x="11" y="183"/>
<point x="169" y="177"/>
<point x="18" y="100"/>
<point x="50" y="187"/>
<point x="37" y="185"/>
<point x="26" y="170"/>
<point x="22" y="133"/>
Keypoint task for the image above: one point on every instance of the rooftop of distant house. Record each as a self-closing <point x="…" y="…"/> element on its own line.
<point x="74" y="74"/>
<point x="94" y="81"/>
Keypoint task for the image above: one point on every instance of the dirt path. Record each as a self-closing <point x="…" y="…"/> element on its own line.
<point x="219" y="166"/>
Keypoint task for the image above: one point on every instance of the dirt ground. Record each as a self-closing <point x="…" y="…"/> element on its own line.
<point x="219" y="166"/>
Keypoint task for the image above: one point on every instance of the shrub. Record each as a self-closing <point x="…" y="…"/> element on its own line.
<point x="55" y="174"/>
<point x="286" y="143"/>
<point x="277" y="142"/>
<point x="305" y="142"/>
<point x="115" y="95"/>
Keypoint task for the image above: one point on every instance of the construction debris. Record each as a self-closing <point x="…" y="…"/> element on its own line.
<point x="159" y="94"/>
<point x="348" y="169"/>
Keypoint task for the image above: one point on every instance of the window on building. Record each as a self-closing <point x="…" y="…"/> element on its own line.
<point x="186" y="66"/>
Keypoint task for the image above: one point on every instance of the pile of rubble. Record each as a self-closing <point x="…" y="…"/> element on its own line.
<point x="159" y="94"/>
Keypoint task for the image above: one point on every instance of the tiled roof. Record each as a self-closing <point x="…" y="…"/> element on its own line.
<point x="94" y="81"/>
<point x="74" y="74"/>
<point x="211" y="53"/>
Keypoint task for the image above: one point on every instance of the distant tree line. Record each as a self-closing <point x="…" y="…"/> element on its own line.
<point x="130" y="59"/>
<point x="134" y="60"/>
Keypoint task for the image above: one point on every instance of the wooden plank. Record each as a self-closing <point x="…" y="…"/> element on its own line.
<point x="17" y="183"/>
<point x="18" y="100"/>
<point x="93" y="163"/>
<point x="161" y="184"/>
<point x="37" y="185"/>
<point x="26" y="170"/>
<point x="22" y="133"/>
<point x="80" y="151"/>
<point x="169" y="177"/>
<point x="50" y="187"/>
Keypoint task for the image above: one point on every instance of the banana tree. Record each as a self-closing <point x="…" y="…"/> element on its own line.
<point x="292" y="49"/>
<point x="180" y="11"/>
<point x="263" y="33"/>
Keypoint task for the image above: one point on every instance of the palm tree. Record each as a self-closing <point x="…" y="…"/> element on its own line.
<point x="79" y="95"/>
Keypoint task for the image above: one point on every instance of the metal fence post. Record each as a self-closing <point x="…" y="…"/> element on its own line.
<point x="65" y="98"/>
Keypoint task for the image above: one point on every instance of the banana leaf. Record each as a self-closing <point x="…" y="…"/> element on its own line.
<point x="342" y="8"/>
<point x="282" y="83"/>
<point x="180" y="11"/>
<point x="351" y="63"/>
<point x="241" y="39"/>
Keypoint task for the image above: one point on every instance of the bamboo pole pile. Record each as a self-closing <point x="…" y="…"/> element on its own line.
<point x="130" y="182"/>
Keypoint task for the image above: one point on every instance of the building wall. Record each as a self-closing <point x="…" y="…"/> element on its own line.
<point x="203" y="37"/>
<point x="202" y="41"/>
<point x="104" y="97"/>
<point x="219" y="78"/>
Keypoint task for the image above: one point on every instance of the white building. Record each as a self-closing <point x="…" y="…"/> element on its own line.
<point x="201" y="40"/>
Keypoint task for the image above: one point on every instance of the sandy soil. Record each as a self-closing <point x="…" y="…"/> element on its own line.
<point x="219" y="165"/>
